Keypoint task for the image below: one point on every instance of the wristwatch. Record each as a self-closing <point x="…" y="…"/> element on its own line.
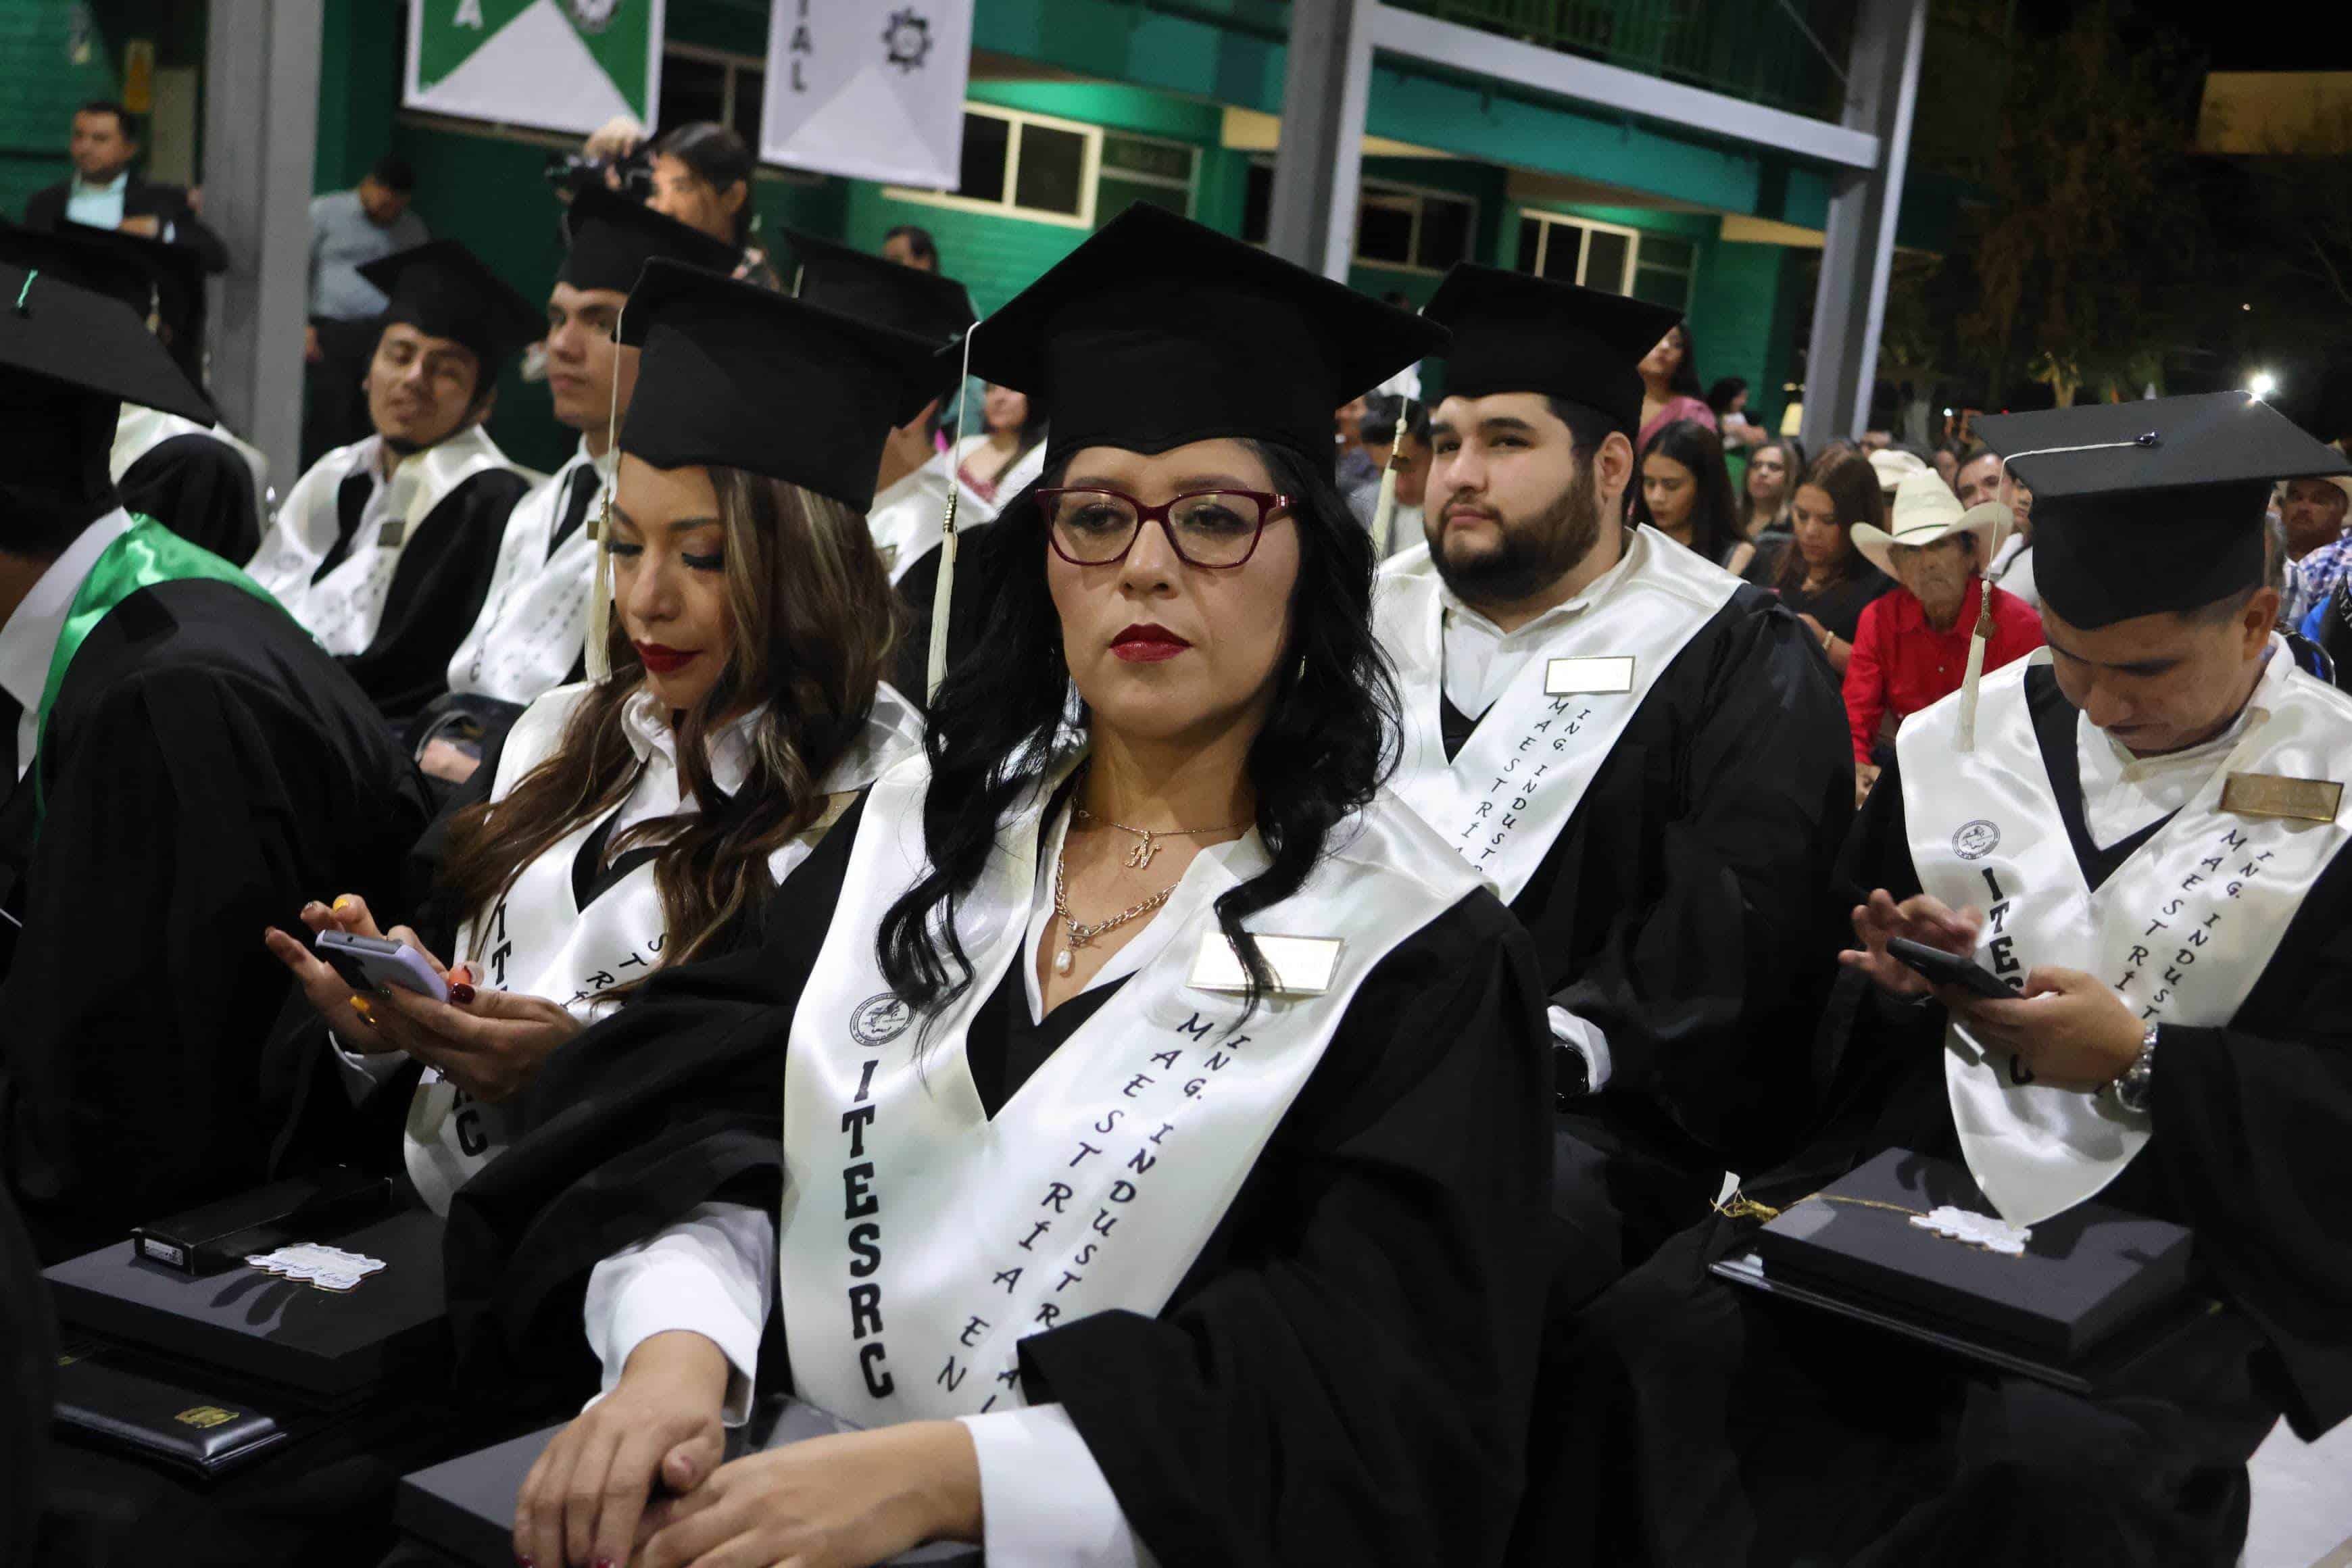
<point x="2132" y="1089"/>
<point x="1572" y="1076"/>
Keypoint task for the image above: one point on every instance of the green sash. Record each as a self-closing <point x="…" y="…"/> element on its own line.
<point x="147" y="554"/>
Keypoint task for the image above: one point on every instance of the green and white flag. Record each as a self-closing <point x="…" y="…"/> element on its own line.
<point x="869" y="89"/>
<point x="556" y="65"/>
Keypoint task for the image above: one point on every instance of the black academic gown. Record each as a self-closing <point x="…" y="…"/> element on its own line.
<point x="1343" y="1374"/>
<point x="207" y="770"/>
<point x="1717" y="1426"/>
<point x="1683" y="912"/>
<point x="200" y="489"/>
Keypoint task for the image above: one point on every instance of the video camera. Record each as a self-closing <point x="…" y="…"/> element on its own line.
<point x="632" y="173"/>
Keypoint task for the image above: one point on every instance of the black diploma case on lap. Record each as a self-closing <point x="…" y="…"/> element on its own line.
<point x="2094" y="1287"/>
<point x="465" y="1507"/>
<point x="117" y="1399"/>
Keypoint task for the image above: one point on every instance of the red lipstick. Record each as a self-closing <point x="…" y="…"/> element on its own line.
<point x="666" y="660"/>
<point x="1148" y="643"/>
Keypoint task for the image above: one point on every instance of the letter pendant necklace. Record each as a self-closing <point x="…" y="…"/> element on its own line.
<point x="1146" y="845"/>
<point x="1075" y="936"/>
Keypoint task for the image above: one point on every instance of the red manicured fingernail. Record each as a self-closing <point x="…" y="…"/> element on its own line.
<point x="463" y="994"/>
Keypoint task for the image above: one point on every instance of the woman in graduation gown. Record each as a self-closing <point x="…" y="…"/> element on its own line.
<point x="643" y="818"/>
<point x="1123" y="1227"/>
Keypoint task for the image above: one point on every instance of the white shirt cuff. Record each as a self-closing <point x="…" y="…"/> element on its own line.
<point x="364" y="1072"/>
<point x="710" y="1274"/>
<point x="1043" y="1499"/>
<point x="1588" y="1041"/>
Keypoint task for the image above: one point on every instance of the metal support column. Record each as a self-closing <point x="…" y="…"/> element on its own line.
<point x="1327" y="86"/>
<point x="261" y="114"/>
<point x="1858" y="259"/>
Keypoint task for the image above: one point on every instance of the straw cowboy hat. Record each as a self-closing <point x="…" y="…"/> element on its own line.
<point x="1892" y="467"/>
<point x="1925" y="511"/>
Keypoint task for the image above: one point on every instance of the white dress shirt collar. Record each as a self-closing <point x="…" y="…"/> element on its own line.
<point x="644" y="723"/>
<point x="28" y="642"/>
<point x="1482" y="659"/>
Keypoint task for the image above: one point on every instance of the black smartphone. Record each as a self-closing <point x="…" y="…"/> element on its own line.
<point x="1947" y="969"/>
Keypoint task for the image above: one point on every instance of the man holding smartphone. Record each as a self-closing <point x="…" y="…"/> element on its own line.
<point x="2139" y="834"/>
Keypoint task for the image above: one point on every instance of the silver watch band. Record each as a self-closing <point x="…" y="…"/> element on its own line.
<point x="2133" y="1087"/>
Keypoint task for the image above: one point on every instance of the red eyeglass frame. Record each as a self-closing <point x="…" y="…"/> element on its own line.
<point x="1268" y="504"/>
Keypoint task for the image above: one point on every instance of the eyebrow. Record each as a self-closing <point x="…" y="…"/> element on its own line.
<point x="621" y="514"/>
<point x="1185" y="485"/>
<point x="2137" y="667"/>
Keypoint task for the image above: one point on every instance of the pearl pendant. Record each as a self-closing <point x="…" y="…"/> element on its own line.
<point x="1062" y="961"/>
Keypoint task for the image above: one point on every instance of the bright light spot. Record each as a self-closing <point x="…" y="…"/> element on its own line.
<point x="2261" y="384"/>
<point x="2246" y="307"/>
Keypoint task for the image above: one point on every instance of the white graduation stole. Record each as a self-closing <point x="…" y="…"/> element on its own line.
<point x="1510" y="791"/>
<point x="921" y="1241"/>
<point x="2182" y="931"/>
<point x="534" y="619"/>
<point x="139" y="431"/>
<point x="904" y="521"/>
<point x="537" y="942"/>
<point x="342" y="609"/>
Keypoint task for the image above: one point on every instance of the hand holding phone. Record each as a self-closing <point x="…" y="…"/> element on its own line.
<point x="379" y="963"/>
<point x="1941" y="968"/>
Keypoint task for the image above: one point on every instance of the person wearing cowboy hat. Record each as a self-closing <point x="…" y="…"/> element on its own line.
<point x="1912" y="648"/>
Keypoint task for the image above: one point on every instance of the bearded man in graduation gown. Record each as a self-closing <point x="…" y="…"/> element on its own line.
<point x="385" y="549"/>
<point x="198" y="480"/>
<point x="532" y="632"/>
<point x="1638" y="750"/>
<point x="184" y="765"/>
<point x="2141" y="830"/>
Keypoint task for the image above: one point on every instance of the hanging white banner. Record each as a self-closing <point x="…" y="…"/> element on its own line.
<point x="869" y="89"/>
<point x="556" y="65"/>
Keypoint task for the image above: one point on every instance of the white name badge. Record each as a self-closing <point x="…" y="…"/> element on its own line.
<point x="1588" y="676"/>
<point x="1302" y="965"/>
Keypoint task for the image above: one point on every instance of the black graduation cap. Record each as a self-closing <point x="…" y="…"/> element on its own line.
<point x="744" y="377"/>
<point x="2141" y="508"/>
<point x="1156" y="332"/>
<point x="174" y="272"/>
<point x="64" y="253"/>
<point x="877" y="288"/>
<point x="1517" y="332"/>
<point x="443" y="290"/>
<point x="612" y="237"/>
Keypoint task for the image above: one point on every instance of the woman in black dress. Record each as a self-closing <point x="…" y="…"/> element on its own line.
<point x="1821" y="576"/>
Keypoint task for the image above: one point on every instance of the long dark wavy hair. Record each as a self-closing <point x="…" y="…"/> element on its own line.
<point x="1715" y="519"/>
<point x="1852" y="485"/>
<point x="1329" y="738"/>
<point x="815" y="618"/>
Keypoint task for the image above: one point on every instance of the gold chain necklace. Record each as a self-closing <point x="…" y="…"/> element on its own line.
<point x="1076" y="936"/>
<point x="1140" y="858"/>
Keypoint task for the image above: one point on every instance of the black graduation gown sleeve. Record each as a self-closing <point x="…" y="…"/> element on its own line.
<point x="200" y="489"/>
<point x="207" y="769"/>
<point x="435" y="594"/>
<point x="1344" y="1376"/>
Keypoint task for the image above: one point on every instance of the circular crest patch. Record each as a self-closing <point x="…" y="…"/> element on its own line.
<point x="879" y="1020"/>
<point x="1975" y="840"/>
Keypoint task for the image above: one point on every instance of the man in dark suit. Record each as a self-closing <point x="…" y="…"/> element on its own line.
<point x="104" y="193"/>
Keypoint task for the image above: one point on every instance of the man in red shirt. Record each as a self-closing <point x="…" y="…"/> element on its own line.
<point x="1912" y="648"/>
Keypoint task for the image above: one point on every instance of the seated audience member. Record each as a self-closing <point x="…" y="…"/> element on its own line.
<point x="1684" y="493"/>
<point x="2309" y="510"/>
<point x="199" y="481"/>
<point x="1823" y="578"/>
<point x="184" y="761"/>
<point x="531" y="635"/>
<point x="1774" y="469"/>
<point x="1008" y="975"/>
<point x="1912" y="647"/>
<point x="1727" y="400"/>
<point x="385" y="550"/>
<point x="1005" y="459"/>
<point x="643" y="820"/>
<point x="1670" y="388"/>
<point x="911" y="245"/>
<point x="104" y="193"/>
<point x="2213" y="1096"/>
<point x="1978" y="479"/>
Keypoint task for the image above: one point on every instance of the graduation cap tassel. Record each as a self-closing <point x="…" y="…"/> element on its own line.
<point x="943" y="594"/>
<point x="1968" y="683"/>
<point x="1384" y="510"/>
<point x="600" y="587"/>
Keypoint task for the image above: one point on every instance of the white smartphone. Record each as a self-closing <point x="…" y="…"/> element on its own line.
<point x="375" y="963"/>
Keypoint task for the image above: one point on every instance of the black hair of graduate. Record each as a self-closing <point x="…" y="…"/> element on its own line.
<point x="1329" y="740"/>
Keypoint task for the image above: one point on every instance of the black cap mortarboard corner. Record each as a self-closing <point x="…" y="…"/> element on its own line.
<point x="443" y="290"/>
<point x="612" y="237"/>
<point x="739" y="377"/>
<point x="877" y="288"/>
<point x="2151" y="507"/>
<point x="1156" y="332"/>
<point x="1517" y="332"/>
<point x="65" y="255"/>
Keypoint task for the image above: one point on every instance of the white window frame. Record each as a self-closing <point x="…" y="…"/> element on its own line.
<point x="1368" y="193"/>
<point x="1588" y="227"/>
<point x="1004" y="206"/>
<point x="1190" y="185"/>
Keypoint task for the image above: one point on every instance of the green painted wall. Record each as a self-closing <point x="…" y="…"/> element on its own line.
<point x="55" y="55"/>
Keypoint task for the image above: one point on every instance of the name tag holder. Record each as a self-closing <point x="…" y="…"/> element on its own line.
<point x="1590" y="675"/>
<point x="389" y="536"/>
<point x="2275" y="795"/>
<point x="1302" y="965"/>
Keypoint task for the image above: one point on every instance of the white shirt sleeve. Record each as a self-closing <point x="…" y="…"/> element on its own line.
<point x="1043" y="1499"/>
<point x="364" y="1072"/>
<point x="1585" y="1039"/>
<point x="712" y="1273"/>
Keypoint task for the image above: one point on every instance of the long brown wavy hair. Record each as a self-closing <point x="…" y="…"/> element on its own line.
<point x="1852" y="485"/>
<point x="815" y="618"/>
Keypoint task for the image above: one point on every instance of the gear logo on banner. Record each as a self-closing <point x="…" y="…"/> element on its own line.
<point x="909" y="39"/>
<point x="593" y="16"/>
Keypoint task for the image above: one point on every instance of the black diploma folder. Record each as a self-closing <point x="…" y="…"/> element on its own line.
<point x="116" y="1399"/>
<point x="2088" y="1283"/>
<point x="465" y="1507"/>
<point x="326" y="1345"/>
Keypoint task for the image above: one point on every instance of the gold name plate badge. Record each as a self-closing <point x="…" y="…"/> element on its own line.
<point x="2271" y="794"/>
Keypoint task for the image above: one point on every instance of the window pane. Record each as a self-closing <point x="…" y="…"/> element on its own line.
<point x="1604" y="262"/>
<point x="1530" y="241"/>
<point x="1384" y="229"/>
<point x="691" y="89"/>
<point x="1133" y="155"/>
<point x="1445" y="226"/>
<point x="1114" y="195"/>
<point x="1052" y="162"/>
<point x="1563" y="251"/>
<point x="1661" y="286"/>
<point x="750" y="86"/>
<point x="1657" y="250"/>
<point x="983" y="176"/>
<point x="1257" y="203"/>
